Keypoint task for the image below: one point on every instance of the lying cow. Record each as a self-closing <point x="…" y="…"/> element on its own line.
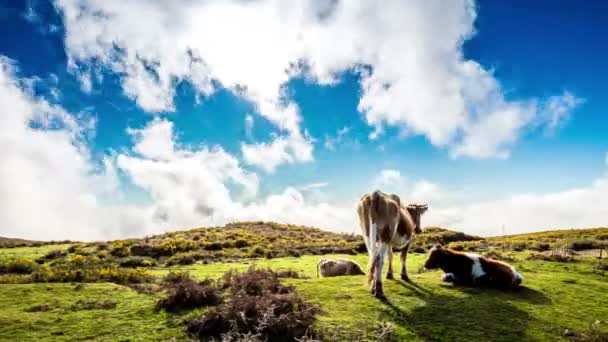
<point x="468" y="269"/>
<point x="338" y="267"/>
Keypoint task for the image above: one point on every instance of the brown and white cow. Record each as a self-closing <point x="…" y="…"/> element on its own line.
<point x="338" y="267"/>
<point x="468" y="269"/>
<point x="387" y="224"/>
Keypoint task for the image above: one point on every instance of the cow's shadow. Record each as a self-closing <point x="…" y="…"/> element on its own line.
<point x="478" y="315"/>
<point x="518" y="294"/>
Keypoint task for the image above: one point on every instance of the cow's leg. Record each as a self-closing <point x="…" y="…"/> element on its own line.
<point x="373" y="237"/>
<point x="404" y="275"/>
<point x="448" y="278"/>
<point x="377" y="287"/>
<point x="389" y="274"/>
<point x="364" y="223"/>
<point x="373" y="250"/>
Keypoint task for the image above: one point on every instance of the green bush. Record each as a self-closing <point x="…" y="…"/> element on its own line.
<point x="213" y="246"/>
<point x="519" y="246"/>
<point x="241" y="243"/>
<point x="120" y="252"/>
<point x="19" y="266"/>
<point x="56" y="254"/>
<point x="187" y="259"/>
<point x="137" y="261"/>
<point x="541" y="246"/>
<point x="580" y="245"/>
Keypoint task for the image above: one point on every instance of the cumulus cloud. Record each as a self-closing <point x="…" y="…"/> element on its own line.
<point x="420" y="191"/>
<point x="49" y="188"/>
<point x="282" y="150"/>
<point x="186" y="185"/>
<point x="528" y="212"/>
<point x="191" y="186"/>
<point x="413" y="72"/>
<point x="518" y="213"/>
<point x="52" y="188"/>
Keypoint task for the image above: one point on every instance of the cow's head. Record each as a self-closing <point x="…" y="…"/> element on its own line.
<point x="436" y="258"/>
<point x="416" y="211"/>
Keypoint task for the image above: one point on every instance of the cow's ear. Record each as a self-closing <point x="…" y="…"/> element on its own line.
<point x="437" y="246"/>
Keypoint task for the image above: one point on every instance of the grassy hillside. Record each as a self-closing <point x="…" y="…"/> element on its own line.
<point x="108" y="290"/>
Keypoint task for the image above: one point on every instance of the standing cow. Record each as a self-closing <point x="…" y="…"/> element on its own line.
<point x="387" y="224"/>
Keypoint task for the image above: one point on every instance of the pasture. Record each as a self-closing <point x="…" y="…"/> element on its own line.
<point x="565" y="301"/>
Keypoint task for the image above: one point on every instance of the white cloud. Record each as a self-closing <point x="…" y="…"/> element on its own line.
<point x="282" y="150"/>
<point x="414" y="73"/>
<point x="519" y="213"/>
<point x="186" y="185"/>
<point x="51" y="188"/>
<point x="332" y="142"/>
<point x="558" y="109"/>
<point x="421" y="191"/>
<point x="86" y="83"/>
<point x="48" y="186"/>
<point x="190" y="187"/>
<point x="313" y="186"/>
<point x="390" y="181"/>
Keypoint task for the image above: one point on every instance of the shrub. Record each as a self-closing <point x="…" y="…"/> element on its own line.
<point x="137" y="261"/>
<point x="19" y="266"/>
<point x="519" y="246"/>
<point x="56" y="254"/>
<point x="557" y="254"/>
<point x="541" y="246"/>
<point x="102" y="247"/>
<point x="580" y="245"/>
<point x="498" y="256"/>
<point x="257" y="252"/>
<point x="154" y="251"/>
<point x="241" y="243"/>
<point x="213" y="246"/>
<point x="120" y="252"/>
<point x="294" y="253"/>
<point x="260" y="306"/>
<point x="418" y="249"/>
<point x="175" y="277"/>
<point x="457" y="247"/>
<point x="187" y="259"/>
<point x="71" y="273"/>
<point x="186" y="293"/>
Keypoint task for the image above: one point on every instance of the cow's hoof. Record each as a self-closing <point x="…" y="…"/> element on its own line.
<point x="380" y="295"/>
<point x="389" y="276"/>
<point x="406" y="278"/>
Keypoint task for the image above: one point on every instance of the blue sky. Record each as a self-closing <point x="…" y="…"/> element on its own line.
<point x="291" y="114"/>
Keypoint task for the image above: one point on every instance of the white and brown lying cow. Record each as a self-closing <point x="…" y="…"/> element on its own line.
<point x="387" y="224"/>
<point x="338" y="267"/>
<point x="468" y="269"/>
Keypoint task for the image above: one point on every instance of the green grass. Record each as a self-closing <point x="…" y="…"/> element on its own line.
<point x="556" y="296"/>
<point x="7" y="254"/>
<point x="133" y="318"/>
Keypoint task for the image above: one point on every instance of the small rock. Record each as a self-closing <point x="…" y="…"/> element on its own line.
<point x="568" y="332"/>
